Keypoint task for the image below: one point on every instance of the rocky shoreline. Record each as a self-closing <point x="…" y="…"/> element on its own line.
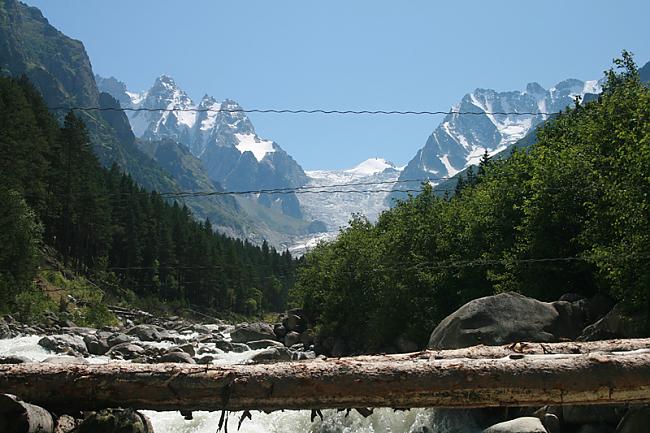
<point x="149" y="339"/>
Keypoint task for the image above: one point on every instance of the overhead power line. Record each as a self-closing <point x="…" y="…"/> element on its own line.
<point x="308" y="111"/>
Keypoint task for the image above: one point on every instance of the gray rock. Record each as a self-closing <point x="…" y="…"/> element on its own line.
<point x="180" y="357"/>
<point x="95" y="346"/>
<point x="499" y="319"/>
<point x="636" y="420"/>
<point x="119" y="338"/>
<point x="273" y="354"/>
<point x="293" y="323"/>
<point x="279" y="330"/>
<point x="14" y="359"/>
<point x="104" y="334"/>
<point x="211" y="338"/>
<point x="263" y="344"/>
<point x="201" y="329"/>
<point x="300" y="356"/>
<point x="64" y="344"/>
<point x="226" y="346"/>
<point x="115" y="421"/>
<point x="64" y="424"/>
<point x="618" y="323"/>
<point x="572" y="318"/>
<point x="187" y="348"/>
<point x="551" y="423"/>
<point x="252" y="332"/>
<point x="307" y="337"/>
<point x="207" y="359"/>
<point x="126" y="351"/>
<point x="72" y="360"/>
<point x="527" y="424"/>
<point x="291" y="338"/>
<point x="210" y="350"/>
<point x="240" y="347"/>
<point x="598" y="306"/>
<point x="145" y="333"/>
<point x="571" y="297"/>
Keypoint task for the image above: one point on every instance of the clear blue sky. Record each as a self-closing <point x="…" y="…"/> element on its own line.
<point x="405" y="55"/>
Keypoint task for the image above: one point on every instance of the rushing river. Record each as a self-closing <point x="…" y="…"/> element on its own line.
<point x="381" y="421"/>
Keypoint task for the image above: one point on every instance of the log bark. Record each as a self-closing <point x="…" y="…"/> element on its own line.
<point x="16" y="416"/>
<point x="476" y="377"/>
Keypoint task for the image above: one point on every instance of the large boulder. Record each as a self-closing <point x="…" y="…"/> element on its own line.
<point x="293" y="323"/>
<point x="14" y="359"/>
<point x="119" y="338"/>
<point x="95" y="345"/>
<point x="618" y="323"/>
<point x="263" y="344"/>
<point x="145" y="333"/>
<point x="251" y="332"/>
<point x="272" y="354"/>
<point x="176" y="357"/>
<point x="69" y="344"/>
<point x="291" y="338"/>
<point x="505" y="318"/>
<point x="126" y="351"/>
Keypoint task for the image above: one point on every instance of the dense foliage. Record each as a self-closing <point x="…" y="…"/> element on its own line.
<point x="105" y="225"/>
<point x="580" y="197"/>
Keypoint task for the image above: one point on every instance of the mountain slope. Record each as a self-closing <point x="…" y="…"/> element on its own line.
<point x="60" y="69"/>
<point x="461" y="139"/>
<point x="529" y="139"/>
<point x="218" y="133"/>
<point x="337" y="208"/>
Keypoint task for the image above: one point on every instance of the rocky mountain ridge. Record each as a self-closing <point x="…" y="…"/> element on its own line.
<point x="220" y="134"/>
<point x="460" y="140"/>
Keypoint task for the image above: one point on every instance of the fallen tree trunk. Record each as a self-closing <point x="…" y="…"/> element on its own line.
<point x="423" y="379"/>
<point x="481" y="351"/>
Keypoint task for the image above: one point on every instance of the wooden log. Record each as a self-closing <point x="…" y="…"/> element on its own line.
<point x="16" y="416"/>
<point x="482" y="351"/>
<point x="424" y="379"/>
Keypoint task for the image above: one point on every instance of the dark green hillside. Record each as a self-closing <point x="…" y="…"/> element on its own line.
<point x="102" y="224"/>
<point x="60" y="69"/>
<point x="570" y="214"/>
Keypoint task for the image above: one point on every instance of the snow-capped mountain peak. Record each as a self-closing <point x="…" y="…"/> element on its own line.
<point x="461" y="140"/>
<point x="220" y="134"/>
<point x="252" y="143"/>
<point x="371" y="166"/>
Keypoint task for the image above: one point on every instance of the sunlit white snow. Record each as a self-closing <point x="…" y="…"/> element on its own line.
<point x="252" y="143"/>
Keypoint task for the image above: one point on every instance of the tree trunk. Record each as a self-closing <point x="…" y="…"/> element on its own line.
<point x="19" y="417"/>
<point x="475" y="377"/>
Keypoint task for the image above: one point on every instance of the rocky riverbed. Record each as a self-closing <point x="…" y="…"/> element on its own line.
<point x="500" y="319"/>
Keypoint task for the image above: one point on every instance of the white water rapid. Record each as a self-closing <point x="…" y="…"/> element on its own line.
<point x="381" y="421"/>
